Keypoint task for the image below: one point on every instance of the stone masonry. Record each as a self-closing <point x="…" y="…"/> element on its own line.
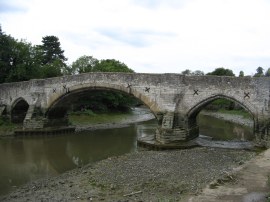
<point x="174" y="99"/>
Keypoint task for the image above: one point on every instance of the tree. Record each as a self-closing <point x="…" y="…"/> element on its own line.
<point x="186" y="72"/>
<point x="241" y="74"/>
<point x="6" y="45"/>
<point x="51" y="56"/>
<point x="22" y="63"/>
<point x="51" y="50"/>
<point x="112" y="65"/>
<point x="84" y="64"/>
<point x="259" y="72"/>
<point x="198" y="73"/>
<point x="267" y="73"/>
<point x="221" y="72"/>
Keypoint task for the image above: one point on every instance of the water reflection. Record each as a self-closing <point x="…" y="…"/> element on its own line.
<point x="223" y="130"/>
<point x="23" y="159"/>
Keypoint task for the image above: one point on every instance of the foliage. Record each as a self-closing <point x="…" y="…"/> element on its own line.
<point x="241" y="74"/>
<point x="21" y="61"/>
<point x="221" y="72"/>
<point x="104" y="101"/>
<point x="6" y="52"/>
<point x="259" y="72"/>
<point x="84" y="64"/>
<point x="112" y="65"/>
<point x="221" y="103"/>
<point x="51" y="50"/>
<point x="190" y="73"/>
<point x="267" y="73"/>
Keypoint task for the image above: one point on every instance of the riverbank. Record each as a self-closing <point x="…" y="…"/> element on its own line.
<point x="143" y="176"/>
<point x="138" y="176"/>
<point x="138" y="114"/>
<point x="234" y="118"/>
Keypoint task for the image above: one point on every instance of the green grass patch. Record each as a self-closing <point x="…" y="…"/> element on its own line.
<point x="86" y="119"/>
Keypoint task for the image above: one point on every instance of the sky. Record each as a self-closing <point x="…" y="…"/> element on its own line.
<point x="150" y="36"/>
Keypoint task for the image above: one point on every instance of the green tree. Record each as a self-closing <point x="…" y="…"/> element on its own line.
<point x="186" y="72"/>
<point x="6" y="44"/>
<point x="51" y="56"/>
<point x="84" y="64"/>
<point x="267" y="73"/>
<point x="51" y="50"/>
<point x="112" y="65"/>
<point x="259" y="72"/>
<point x="221" y="72"/>
<point x="241" y="74"/>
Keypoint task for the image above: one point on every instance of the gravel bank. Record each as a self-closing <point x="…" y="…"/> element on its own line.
<point x="229" y="117"/>
<point x="139" y="176"/>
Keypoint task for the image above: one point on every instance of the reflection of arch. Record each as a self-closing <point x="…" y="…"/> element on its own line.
<point x="195" y="110"/>
<point x="61" y="103"/>
<point x="18" y="110"/>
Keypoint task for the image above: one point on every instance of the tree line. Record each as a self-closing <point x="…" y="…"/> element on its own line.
<point x="221" y="71"/>
<point x="22" y="61"/>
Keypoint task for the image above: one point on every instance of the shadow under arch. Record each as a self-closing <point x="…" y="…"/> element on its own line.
<point x="19" y="110"/>
<point x="60" y="106"/>
<point x="194" y="111"/>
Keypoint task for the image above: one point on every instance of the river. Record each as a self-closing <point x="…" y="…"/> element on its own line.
<point x="25" y="159"/>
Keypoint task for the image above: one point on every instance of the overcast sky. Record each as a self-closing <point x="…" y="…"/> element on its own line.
<point x="153" y="36"/>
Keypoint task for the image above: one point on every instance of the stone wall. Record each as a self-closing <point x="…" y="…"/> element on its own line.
<point x="174" y="99"/>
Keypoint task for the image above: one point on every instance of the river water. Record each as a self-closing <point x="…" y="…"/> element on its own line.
<point x="24" y="159"/>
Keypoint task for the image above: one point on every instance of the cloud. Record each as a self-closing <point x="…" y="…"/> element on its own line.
<point x="136" y="38"/>
<point x="152" y="4"/>
<point x="150" y="35"/>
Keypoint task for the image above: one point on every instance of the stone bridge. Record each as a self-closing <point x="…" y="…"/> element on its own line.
<point x="174" y="99"/>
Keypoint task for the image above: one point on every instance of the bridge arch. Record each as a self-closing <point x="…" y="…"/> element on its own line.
<point x="75" y="91"/>
<point x="19" y="110"/>
<point x="195" y="110"/>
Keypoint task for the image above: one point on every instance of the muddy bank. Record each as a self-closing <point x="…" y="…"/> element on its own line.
<point x="138" y="176"/>
<point x="230" y="117"/>
<point x="139" y="115"/>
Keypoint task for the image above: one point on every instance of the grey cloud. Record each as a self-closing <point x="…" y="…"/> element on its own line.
<point x="137" y="38"/>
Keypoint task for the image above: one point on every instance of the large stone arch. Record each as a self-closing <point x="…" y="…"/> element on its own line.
<point x="19" y="110"/>
<point x="57" y="97"/>
<point x="191" y="115"/>
<point x="56" y="110"/>
<point x="197" y="107"/>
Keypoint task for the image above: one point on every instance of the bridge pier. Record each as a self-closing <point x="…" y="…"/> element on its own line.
<point x="176" y="128"/>
<point x="262" y="132"/>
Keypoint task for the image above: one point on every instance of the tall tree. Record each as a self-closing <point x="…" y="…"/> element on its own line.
<point x="221" y="72"/>
<point x="51" y="56"/>
<point x="6" y="48"/>
<point x="259" y="72"/>
<point x="51" y="50"/>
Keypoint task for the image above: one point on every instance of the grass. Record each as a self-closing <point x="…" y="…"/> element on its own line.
<point x="85" y="119"/>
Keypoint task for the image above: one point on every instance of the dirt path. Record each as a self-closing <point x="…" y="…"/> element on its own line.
<point x="247" y="183"/>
